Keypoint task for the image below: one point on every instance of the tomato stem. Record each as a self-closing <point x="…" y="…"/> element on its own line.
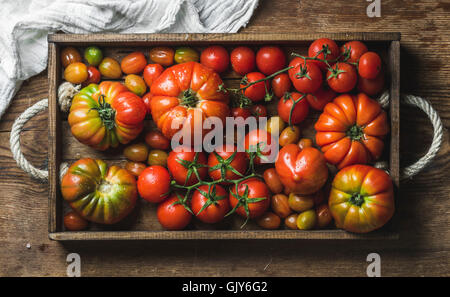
<point x="357" y="199"/>
<point x="189" y="98"/>
<point x="106" y="113"/>
<point x="355" y="132"/>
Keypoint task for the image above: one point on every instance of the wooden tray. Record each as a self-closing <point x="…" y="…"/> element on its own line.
<point x="142" y="223"/>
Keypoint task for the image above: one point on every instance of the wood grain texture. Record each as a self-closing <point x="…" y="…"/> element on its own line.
<point x="424" y="244"/>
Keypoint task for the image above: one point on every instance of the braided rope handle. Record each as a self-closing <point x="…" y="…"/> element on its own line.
<point x="68" y="91"/>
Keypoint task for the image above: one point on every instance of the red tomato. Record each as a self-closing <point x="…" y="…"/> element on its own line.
<point x="371" y="87"/>
<point x="173" y="216"/>
<point x="74" y="222"/>
<point x="305" y="76"/>
<point x="243" y="112"/>
<point x="211" y="208"/>
<point x="227" y="159"/>
<point x="147" y="98"/>
<point x="369" y="65"/>
<point x="257" y="190"/>
<point x="154" y="184"/>
<point x="329" y="48"/>
<point x="342" y="78"/>
<point x="181" y="164"/>
<point x="93" y="76"/>
<point x="281" y="84"/>
<point x="133" y="63"/>
<point x="243" y="60"/>
<point x="353" y="50"/>
<point x="321" y="97"/>
<point x="152" y="72"/>
<point x="258" y="111"/>
<point x="215" y="57"/>
<point x="270" y="59"/>
<point x="300" y="111"/>
<point x="265" y="141"/>
<point x="257" y="91"/>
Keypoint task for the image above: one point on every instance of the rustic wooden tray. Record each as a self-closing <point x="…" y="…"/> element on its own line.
<point x="142" y="223"/>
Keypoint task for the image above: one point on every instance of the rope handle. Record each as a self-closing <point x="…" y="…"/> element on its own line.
<point x="66" y="92"/>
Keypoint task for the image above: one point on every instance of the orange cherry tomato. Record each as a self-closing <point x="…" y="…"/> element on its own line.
<point x="70" y="55"/>
<point x="74" y="222"/>
<point x="280" y="205"/>
<point x="291" y="221"/>
<point x="273" y="181"/>
<point x="305" y="142"/>
<point x="162" y="55"/>
<point x="135" y="84"/>
<point x="290" y="134"/>
<point x="135" y="168"/>
<point x="110" y="68"/>
<point x="152" y="72"/>
<point x="133" y="63"/>
<point x="76" y="73"/>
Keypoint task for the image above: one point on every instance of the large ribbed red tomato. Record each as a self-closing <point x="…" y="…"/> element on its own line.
<point x="184" y="90"/>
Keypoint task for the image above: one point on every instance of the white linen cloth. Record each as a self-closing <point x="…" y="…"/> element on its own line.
<point x="26" y="23"/>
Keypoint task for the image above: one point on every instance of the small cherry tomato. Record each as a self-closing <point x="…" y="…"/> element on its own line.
<point x="93" y="55"/>
<point x="243" y="60"/>
<point x="135" y="84"/>
<point x="135" y="168"/>
<point x="281" y="84"/>
<point x="211" y="208"/>
<point x="70" y="55"/>
<point x="133" y="63"/>
<point x="270" y="59"/>
<point x="152" y="72"/>
<point x="157" y="157"/>
<point x="252" y="192"/>
<point x="156" y="140"/>
<point x="263" y="140"/>
<point x="215" y="57"/>
<point x="300" y="203"/>
<point x="147" y="98"/>
<point x="162" y="55"/>
<point x="154" y="184"/>
<point x="323" y="216"/>
<point x="110" y="68"/>
<point x="173" y="215"/>
<point x="76" y="73"/>
<point x="137" y="152"/>
<point x="305" y="76"/>
<point x="352" y="51"/>
<point x="325" y="49"/>
<point x="273" y="181"/>
<point x="291" y="221"/>
<point x="371" y="87"/>
<point x="255" y="92"/>
<point x="186" y="54"/>
<point x="280" y="205"/>
<point x="243" y="112"/>
<point x="342" y="77"/>
<point x="293" y="114"/>
<point x="290" y="134"/>
<point x="275" y="125"/>
<point x="321" y="97"/>
<point x="93" y="76"/>
<point x="269" y="221"/>
<point x="305" y="142"/>
<point x="369" y="65"/>
<point x="307" y="220"/>
<point x="258" y="111"/>
<point x="74" y="222"/>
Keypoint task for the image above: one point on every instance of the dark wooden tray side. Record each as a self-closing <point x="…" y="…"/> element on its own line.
<point x="390" y="40"/>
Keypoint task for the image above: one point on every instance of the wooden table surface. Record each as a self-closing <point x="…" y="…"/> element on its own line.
<point x="424" y="245"/>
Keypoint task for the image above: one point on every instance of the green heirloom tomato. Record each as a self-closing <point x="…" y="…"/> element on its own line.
<point x="99" y="194"/>
<point x="186" y="54"/>
<point x="93" y="55"/>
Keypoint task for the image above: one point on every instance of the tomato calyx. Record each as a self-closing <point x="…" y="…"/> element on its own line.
<point x="189" y="98"/>
<point x="106" y="113"/>
<point x="288" y="96"/>
<point x="211" y="197"/>
<point x="254" y="151"/>
<point x="225" y="165"/>
<point x="192" y="167"/>
<point x="355" y="132"/>
<point x="243" y="200"/>
<point x="182" y="201"/>
<point x="357" y="199"/>
<point x="303" y="72"/>
<point x="334" y="72"/>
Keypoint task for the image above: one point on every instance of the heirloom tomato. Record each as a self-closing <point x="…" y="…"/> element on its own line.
<point x="76" y="73"/>
<point x="243" y="60"/>
<point x="133" y="63"/>
<point x="215" y="57"/>
<point x="255" y="92"/>
<point x="321" y="97"/>
<point x="98" y="193"/>
<point x="323" y="216"/>
<point x="342" y="77"/>
<point x="270" y="59"/>
<point x="70" y="55"/>
<point x="305" y="76"/>
<point x="93" y="55"/>
<point x="172" y="214"/>
<point x="262" y="144"/>
<point x="157" y="157"/>
<point x="137" y="152"/>
<point x="325" y="49"/>
<point x="162" y="55"/>
<point x="186" y="54"/>
<point x="154" y="184"/>
<point x="369" y="65"/>
<point x="290" y="113"/>
<point x="105" y="115"/>
<point x="74" y="222"/>
<point x="184" y="96"/>
<point x="210" y="204"/>
<point x="301" y="171"/>
<point x="275" y="125"/>
<point x="280" y="205"/>
<point x="291" y="221"/>
<point x="361" y="198"/>
<point x="281" y="84"/>
<point x="183" y="162"/>
<point x="352" y="51"/>
<point x="299" y="202"/>
<point x="307" y="220"/>
<point x="252" y="198"/>
<point x="227" y="162"/>
<point x="135" y="168"/>
<point x="350" y="130"/>
<point x="110" y="68"/>
<point x="151" y="73"/>
<point x="135" y="84"/>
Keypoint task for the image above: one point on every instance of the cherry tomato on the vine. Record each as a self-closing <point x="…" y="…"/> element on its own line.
<point x="329" y="51"/>
<point x="270" y="59"/>
<point x="305" y="76"/>
<point x="281" y="84"/>
<point x="342" y="77"/>
<point x="352" y="51"/>
<point x="369" y="65"/>
<point x="255" y="92"/>
<point x="181" y="165"/>
<point x="299" y="112"/>
<point x="243" y="112"/>
<point x="213" y="207"/>
<point x="243" y="60"/>
<point x="229" y="161"/>
<point x="258" y="110"/>
<point x="257" y="198"/>
<point x="173" y="215"/>
<point x="262" y="141"/>
<point x="215" y="57"/>
<point x="371" y="87"/>
<point x="321" y="97"/>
